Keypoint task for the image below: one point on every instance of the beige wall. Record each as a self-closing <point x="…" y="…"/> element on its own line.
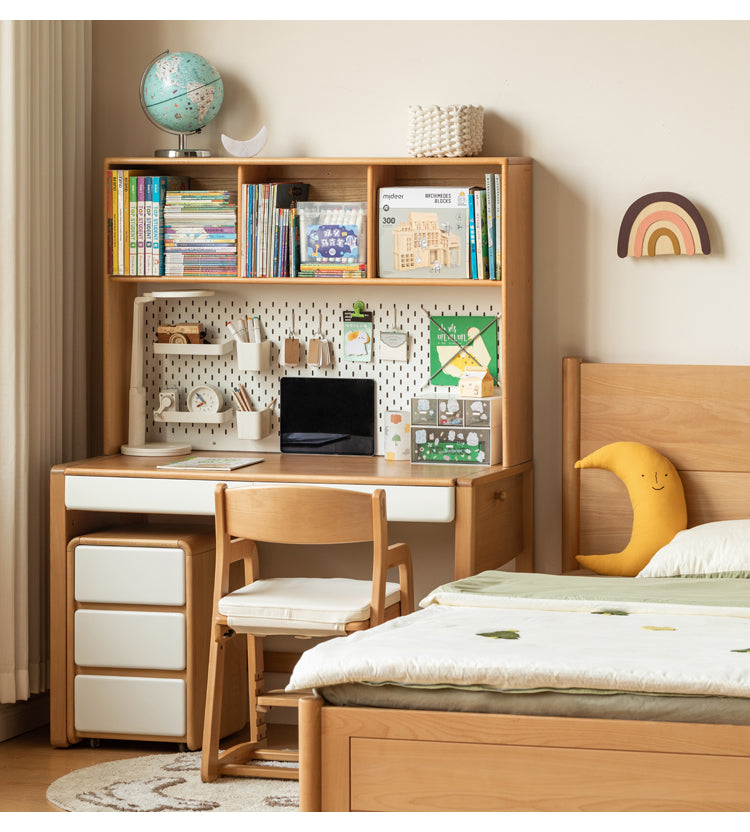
<point x="609" y="111"/>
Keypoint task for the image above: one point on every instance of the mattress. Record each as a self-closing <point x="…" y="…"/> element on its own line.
<point x="629" y="648"/>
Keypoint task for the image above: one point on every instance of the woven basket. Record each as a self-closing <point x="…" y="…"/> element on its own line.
<point x="445" y="131"/>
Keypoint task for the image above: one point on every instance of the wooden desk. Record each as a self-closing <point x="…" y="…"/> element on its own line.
<point x="490" y="509"/>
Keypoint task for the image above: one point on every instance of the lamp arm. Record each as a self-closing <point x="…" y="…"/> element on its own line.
<point x="137" y="392"/>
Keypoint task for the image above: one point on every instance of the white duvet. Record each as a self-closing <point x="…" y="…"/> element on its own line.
<point x="500" y="639"/>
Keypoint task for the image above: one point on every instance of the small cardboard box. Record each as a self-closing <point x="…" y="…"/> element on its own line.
<point x="476" y="384"/>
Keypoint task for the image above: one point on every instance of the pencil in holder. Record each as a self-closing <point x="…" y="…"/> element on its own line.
<point x="253" y="424"/>
<point x="254" y="356"/>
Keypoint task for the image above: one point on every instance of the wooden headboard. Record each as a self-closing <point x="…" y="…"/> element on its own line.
<point x="698" y="416"/>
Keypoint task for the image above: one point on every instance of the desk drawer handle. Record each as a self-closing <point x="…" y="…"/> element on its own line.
<point x="499" y="495"/>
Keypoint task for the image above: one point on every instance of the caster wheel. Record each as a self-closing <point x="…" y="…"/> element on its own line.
<point x="182" y="747"/>
<point x="94" y="743"/>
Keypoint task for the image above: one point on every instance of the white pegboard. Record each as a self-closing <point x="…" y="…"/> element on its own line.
<point x="276" y="304"/>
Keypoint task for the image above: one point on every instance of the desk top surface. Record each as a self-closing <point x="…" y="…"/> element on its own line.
<point x="278" y="467"/>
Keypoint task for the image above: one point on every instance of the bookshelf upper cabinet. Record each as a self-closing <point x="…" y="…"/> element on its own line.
<point x="351" y="180"/>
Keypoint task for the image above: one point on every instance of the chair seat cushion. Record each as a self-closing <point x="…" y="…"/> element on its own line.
<point x="307" y="606"/>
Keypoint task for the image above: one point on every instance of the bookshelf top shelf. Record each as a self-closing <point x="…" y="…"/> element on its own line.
<point x="233" y="161"/>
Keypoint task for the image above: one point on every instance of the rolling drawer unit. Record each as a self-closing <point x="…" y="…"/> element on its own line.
<point x="139" y="617"/>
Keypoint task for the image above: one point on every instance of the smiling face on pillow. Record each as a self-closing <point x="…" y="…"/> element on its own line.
<point x="658" y="501"/>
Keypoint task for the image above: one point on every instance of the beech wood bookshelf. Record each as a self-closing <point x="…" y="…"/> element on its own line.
<point x="351" y="180"/>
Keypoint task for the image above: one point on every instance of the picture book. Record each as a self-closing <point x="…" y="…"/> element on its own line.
<point x="480" y="210"/>
<point x="424" y="232"/>
<point x="461" y="342"/>
<point x="212" y="463"/>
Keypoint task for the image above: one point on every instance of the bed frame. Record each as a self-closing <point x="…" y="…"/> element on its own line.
<point x="379" y="759"/>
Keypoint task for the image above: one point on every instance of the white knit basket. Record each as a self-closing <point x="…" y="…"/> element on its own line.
<point x="445" y="131"/>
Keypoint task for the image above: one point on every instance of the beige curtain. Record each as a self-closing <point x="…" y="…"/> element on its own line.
<point x="45" y="69"/>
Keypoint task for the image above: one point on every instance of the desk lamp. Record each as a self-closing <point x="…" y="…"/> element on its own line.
<point x="137" y="445"/>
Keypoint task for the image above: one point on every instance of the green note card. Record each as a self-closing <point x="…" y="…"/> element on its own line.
<point x="461" y="342"/>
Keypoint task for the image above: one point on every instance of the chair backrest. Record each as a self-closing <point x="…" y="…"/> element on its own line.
<point x="302" y="514"/>
<point x="307" y="515"/>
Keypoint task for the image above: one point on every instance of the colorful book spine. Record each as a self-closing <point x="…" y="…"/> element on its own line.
<point x="157" y="185"/>
<point x="294" y="244"/>
<point x="132" y="223"/>
<point x="125" y="240"/>
<point x="123" y="255"/>
<point x="285" y="213"/>
<point x="489" y="181"/>
<point x="108" y="199"/>
<point x="472" y="239"/>
<point x="478" y="233"/>
<point x="118" y="259"/>
<point x="498" y="227"/>
<point x="141" y="229"/>
<point x="149" y="226"/>
<point x="115" y="226"/>
<point x="242" y="220"/>
<point x="482" y="242"/>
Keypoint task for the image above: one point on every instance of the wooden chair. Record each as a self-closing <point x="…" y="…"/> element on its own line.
<point x="297" y="606"/>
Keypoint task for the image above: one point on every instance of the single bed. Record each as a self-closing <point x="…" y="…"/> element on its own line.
<point x="400" y="724"/>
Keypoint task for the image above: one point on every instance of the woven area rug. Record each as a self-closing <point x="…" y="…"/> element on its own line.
<point x="168" y="783"/>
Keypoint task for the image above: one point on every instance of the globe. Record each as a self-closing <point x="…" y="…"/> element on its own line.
<point x="181" y="92"/>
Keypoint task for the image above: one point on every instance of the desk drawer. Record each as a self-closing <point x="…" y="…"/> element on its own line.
<point x="405" y="503"/>
<point x="118" y="638"/>
<point x="130" y="705"/>
<point x="129" y="575"/>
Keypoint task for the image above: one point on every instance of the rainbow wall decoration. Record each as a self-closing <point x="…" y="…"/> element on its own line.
<point x="662" y="223"/>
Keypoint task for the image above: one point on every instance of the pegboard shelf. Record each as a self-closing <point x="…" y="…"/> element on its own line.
<point x="189" y="418"/>
<point x="194" y="349"/>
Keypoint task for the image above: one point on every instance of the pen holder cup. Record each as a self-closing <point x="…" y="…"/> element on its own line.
<point x="253" y="357"/>
<point x="253" y="424"/>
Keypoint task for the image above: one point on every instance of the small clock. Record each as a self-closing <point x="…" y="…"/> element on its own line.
<point x="205" y="398"/>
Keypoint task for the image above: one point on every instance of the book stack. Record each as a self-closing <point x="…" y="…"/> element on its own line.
<point x="270" y="228"/>
<point x="200" y="234"/>
<point x="441" y="232"/>
<point x="135" y="233"/>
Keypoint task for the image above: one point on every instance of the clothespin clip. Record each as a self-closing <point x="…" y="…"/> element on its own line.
<point x="358" y="333"/>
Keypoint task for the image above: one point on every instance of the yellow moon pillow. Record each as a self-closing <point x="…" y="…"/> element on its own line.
<point x="658" y="501"/>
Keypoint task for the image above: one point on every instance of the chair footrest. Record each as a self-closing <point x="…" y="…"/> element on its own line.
<point x="268" y="772"/>
<point x="282" y="699"/>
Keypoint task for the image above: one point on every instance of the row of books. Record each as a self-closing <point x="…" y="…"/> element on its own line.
<point x="135" y="231"/>
<point x="270" y="228"/>
<point x="200" y="233"/>
<point x="441" y="231"/>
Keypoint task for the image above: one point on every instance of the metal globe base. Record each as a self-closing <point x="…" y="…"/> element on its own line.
<point x="182" y="151"/>
<point x="182" y="154"/>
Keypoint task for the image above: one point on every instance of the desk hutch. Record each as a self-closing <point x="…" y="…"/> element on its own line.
<point x="489" y="507"/>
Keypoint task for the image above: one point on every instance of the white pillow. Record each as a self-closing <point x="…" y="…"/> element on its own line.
<point x="713" y="550"/>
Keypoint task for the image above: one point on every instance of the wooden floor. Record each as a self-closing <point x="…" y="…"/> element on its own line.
<point x="28" y="764"/>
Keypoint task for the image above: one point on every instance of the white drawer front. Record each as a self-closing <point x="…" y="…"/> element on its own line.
<point x="114" y="638"/>
<point x="129" y="575"/>
<point x="130" y="705"/>
<point x="405" y="503"/>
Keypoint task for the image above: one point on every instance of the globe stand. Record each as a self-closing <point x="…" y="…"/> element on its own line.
<point x="182" y="151"/>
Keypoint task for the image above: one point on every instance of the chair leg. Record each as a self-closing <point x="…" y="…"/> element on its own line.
<point x="255" y="687"/>
<point x="214" y="693"/>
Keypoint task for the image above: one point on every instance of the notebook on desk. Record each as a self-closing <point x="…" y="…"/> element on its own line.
<point x="327" y="416"/>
